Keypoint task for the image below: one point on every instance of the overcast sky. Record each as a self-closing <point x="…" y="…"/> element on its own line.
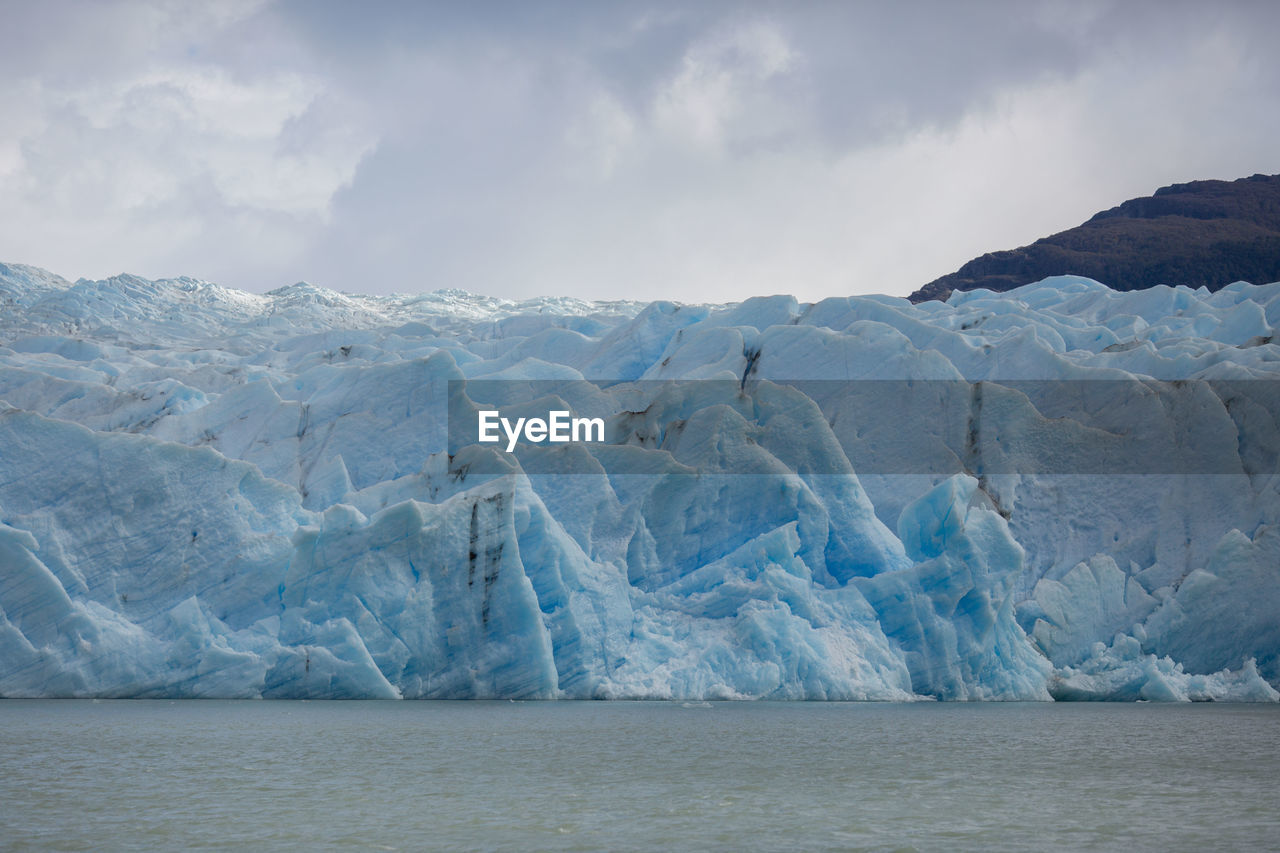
<point x="689" y="151"/>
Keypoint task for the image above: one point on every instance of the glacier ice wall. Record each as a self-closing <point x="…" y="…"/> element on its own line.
<point x="209" y="493"/>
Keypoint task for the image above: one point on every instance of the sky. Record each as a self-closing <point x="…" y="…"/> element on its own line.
<point x="643" y="150"/>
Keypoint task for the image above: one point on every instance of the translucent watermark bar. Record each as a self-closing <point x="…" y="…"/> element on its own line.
<point x="819" y="427"/>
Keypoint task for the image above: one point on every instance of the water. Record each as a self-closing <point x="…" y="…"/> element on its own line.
<point x="636" y="776"/>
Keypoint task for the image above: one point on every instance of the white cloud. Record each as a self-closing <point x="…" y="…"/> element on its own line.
<point x="703" y="155"/>
<point x="20" y="105"/>
<point x="1032" y="159"/>
<point x="722" y="82"/>
<point x="151" y="135"/>
<point x="601" y="135"/>
<point x="141" y="169"/>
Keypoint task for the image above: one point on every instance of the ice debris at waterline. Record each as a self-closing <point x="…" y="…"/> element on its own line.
<point x="208" y="493"/>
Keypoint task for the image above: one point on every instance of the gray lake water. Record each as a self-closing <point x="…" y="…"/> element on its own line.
<point x="636" y="776"/>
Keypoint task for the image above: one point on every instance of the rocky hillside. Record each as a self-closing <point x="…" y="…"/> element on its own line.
<point x="1203" y="233"/>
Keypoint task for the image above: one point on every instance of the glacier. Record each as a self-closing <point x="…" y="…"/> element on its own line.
<point x="1059" y="492"/>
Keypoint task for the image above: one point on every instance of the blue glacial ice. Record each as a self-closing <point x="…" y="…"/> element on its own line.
<point x="210" y="493"/>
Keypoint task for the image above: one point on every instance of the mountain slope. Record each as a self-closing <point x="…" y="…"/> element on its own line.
<point x="1199" y="234"/>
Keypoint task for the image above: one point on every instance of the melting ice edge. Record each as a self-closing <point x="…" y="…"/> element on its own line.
<point x="208" y="493"/>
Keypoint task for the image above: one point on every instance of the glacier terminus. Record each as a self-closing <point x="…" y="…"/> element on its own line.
<point x="1058" y="492"/>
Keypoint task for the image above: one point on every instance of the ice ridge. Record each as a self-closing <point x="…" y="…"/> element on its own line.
<point x="210" y="493"/>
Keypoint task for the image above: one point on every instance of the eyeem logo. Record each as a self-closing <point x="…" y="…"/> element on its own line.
<point x="559" y="427"/>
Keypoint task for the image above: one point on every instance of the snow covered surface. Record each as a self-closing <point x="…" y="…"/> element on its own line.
<point x="205" y="492"/>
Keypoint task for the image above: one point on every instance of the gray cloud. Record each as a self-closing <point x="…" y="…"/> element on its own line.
<point x="605" y="150"/>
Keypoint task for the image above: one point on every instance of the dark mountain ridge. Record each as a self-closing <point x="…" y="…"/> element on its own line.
<point x="1201" y="234"/>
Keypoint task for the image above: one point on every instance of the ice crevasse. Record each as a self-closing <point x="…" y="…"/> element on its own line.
<point x="209" y="493"/>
